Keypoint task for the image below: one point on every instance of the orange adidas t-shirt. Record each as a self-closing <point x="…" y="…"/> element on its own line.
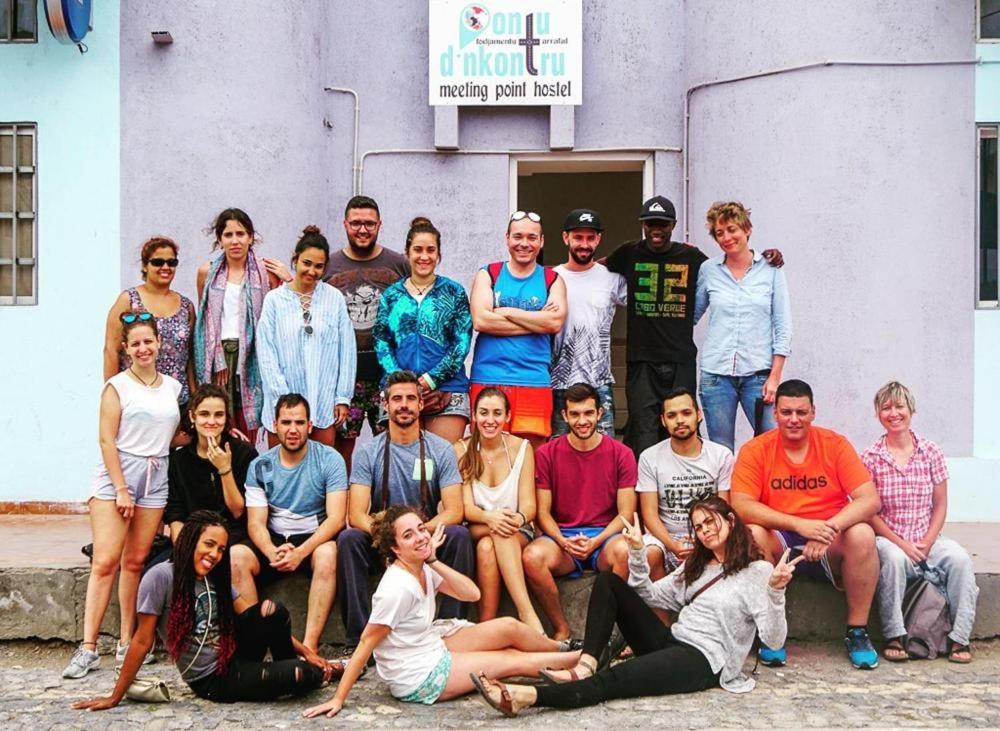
<point x="816" y="489"/>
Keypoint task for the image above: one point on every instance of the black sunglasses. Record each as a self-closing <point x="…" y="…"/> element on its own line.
<point x="306" y="322"/>
<point x="172" y="262"/>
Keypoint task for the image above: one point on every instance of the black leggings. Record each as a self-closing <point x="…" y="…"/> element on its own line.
<point x="662" y="664"/>
<point x="248" y="677"/>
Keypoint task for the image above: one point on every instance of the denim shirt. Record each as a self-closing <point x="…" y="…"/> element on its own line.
<point x="751" y="320"/>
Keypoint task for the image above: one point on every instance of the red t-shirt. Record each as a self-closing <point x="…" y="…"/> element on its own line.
<point x="816" y="489"/>
<point x="584" y="485"/>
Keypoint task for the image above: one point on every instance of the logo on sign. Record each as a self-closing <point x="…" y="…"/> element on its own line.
<point x="474" y="20"/>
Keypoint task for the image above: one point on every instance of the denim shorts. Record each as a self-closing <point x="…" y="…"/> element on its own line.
<point x="433" y="686"/>
<point x="589" y="563"/>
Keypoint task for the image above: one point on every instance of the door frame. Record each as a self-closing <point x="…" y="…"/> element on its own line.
<point x="580" y="162"/>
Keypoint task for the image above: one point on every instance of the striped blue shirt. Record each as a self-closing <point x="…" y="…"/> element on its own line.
<point x="751" y="320"/>
<point x="320" y="366"/>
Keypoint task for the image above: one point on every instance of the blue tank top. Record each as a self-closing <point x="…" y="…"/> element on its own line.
<point x="515" y="360"/>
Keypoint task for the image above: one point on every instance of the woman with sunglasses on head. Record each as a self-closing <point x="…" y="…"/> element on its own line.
<point x="498" y="485"/>
<point x="421" y="659"/>
<point x="724" y="593"/>
<point x="306" y="344"/>
<point x="138" y="418"/>
<point x="424" y="325"/>
<point x="210" y="472"/>
<point x="218" y="641"/>
<point x="174" y="313"/>
<point x="231" y="289"/>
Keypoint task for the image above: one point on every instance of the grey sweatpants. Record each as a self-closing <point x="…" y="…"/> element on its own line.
<point x="960" y="585"/>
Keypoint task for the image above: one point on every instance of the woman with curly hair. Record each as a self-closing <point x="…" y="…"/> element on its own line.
<point x="723" y="593"/>
<point x="216" y="640"/>
<point x="421" y="659"/>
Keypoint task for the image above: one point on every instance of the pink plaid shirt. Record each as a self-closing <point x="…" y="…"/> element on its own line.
<point x="906" y="492"/>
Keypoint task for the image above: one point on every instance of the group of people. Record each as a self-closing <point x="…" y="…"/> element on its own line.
<point x="538" y="489"/>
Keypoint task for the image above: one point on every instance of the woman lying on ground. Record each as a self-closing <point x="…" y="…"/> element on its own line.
<point x="422" y="660"/>
<point x="217" y="641"/>
<point x="723" y="593"/>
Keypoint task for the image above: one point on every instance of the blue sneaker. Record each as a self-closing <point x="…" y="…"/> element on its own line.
<point x="772" y="658"/>
<point x="860" y="650"/>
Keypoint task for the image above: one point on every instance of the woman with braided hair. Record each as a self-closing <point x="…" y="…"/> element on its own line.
<point x="217" y="640"/>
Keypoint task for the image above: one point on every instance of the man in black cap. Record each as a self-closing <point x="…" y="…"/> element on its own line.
<point x="583" y="346"/>
<point x="660" y="352"/>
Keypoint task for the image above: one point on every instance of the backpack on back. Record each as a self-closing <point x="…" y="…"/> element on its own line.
<point x="925" y="615"/>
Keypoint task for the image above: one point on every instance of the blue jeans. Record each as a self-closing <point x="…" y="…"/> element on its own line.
<point x="719" y="397"/>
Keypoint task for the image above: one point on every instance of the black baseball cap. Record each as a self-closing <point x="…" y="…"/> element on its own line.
<point x="583" y="218"/>
<point x="658" y="207"/>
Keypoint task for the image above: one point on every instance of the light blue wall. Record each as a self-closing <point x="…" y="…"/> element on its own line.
<point x="988" y="83"/>
<point x="50" y="370"/>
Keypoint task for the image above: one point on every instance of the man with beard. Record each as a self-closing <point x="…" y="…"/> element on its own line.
<point x="660" y="353"/>
<point x="362" y="271"/>
<point x="517" y="306"/>
<point x="583" y="346"/>
<point x="402" y="466"/>
<point x="672" y="474"/>
<point x="296" y="498"/>
<point x="584" y="482"/>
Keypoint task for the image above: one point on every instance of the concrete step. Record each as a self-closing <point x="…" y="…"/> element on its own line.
<point x="43" y="585"/>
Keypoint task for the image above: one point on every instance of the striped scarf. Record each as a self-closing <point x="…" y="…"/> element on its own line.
<point x="208" y="354"/>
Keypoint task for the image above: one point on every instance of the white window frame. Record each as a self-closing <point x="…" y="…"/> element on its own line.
<point x="979" y="30"/>
<point x="15" y="129"/>
<point x="984" y="131"/>
<point x="6" y="34"/>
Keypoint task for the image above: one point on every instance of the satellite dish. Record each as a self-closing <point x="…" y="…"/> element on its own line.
<point x="69" y="20"/>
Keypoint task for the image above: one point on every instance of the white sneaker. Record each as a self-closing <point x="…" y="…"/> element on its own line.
<point x="121" y="651"/>
<point x="82" y="662"/>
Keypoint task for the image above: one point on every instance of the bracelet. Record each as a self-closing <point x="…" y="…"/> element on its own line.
<point x="223" y="474"/>
<point x="524" y="519"/>
<point x="430" y="561"/>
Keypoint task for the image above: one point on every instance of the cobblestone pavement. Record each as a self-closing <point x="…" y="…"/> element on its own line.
<point x="817" y="689"/>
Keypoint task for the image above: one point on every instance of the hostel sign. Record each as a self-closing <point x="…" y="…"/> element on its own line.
<point x="505" y="52"/>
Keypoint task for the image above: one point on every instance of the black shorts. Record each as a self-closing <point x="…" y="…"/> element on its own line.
<point x="268" y="574"/>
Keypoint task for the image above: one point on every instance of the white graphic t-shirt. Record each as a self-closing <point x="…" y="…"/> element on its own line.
<point x="680" y="479"/>
<point x="582" y="351"/>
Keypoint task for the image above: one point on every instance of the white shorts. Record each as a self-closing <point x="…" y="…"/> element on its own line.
<point x="146" y="478"/>
<point x="670" y="560"/>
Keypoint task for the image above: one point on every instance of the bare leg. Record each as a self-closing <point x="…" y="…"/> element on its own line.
<point x="500" y="664"/>
<point x="487" y="573"/>
<point x="321" y="592"/>
<point x="500" y="634"/>
<point x="508" y="558"/>
<point x="108" y="529"/>
<point x="533" y="439"/>
<point x="245" y="567"/>
<point x="325" y="436"/>
<point x="138" y="540"/>
<point x="450" y="427"/>
<point x="854" y="560"/>
<point x="543" y="560"/>
<point x="345" y="446"/>
<point x="614" y="557"/>
<point x="767" y="542"/>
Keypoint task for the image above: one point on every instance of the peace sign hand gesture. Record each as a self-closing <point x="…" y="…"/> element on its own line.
<point x="632" y="533"/>
<point x="221" y="459"/>
<point x="783" y="571"/>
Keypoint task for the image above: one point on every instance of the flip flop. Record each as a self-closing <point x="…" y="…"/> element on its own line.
<point x="482" y="683"/>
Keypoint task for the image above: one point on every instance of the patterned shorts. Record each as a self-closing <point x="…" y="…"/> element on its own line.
<point x="365" y="404"/>
<point x="605" y="426"/>
<point x="433" y="686"/>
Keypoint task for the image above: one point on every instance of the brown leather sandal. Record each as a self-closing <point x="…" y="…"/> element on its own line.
<point x="894" y="650"/>
<point x="546" y="673"/>
<point x="953" y="651"/>
<point x="484" y="685"/>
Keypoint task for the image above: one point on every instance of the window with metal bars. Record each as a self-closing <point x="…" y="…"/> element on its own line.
<point x="18" y="21"/>
<point x="18" y="214"/>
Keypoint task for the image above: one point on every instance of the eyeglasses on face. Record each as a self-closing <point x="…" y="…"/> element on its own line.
<point x="157" y="262"/>
<point x="366" y="225"/>
<point x="129" y="317"/>
<point x="530" y="215"/>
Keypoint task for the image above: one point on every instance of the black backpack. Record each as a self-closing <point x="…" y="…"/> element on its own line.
<point x="925" y="615"/>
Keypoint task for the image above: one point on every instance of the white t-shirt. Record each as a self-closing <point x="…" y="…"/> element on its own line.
<point x="583" y="346"/>
<point x="411" y="651"/>
<point x="231" y="324"/>
<point x="680" y="479"/>
<point x="149" y="415"/>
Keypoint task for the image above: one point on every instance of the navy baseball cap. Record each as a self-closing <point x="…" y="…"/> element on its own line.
<point x="583" y="218"/>
<point x="658" y="207"/>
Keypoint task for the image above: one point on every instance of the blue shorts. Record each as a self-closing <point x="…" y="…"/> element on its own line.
<point x="590" y="563"/>
<point x="814" y="569"/>
<point x="433" y="686"/>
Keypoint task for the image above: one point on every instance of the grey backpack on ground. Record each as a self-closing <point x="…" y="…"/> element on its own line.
<point x="925" y="614"/>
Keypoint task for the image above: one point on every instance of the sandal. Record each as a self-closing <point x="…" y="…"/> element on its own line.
<point x="894" y="650"/>
<point x="547" y="673"/>
<point x="484" y="685"/>
<point x="955" y="649"/>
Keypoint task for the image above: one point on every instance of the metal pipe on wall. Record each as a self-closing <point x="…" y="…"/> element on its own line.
<point x="355" y="169"/>
<point x="686" y="157"/>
